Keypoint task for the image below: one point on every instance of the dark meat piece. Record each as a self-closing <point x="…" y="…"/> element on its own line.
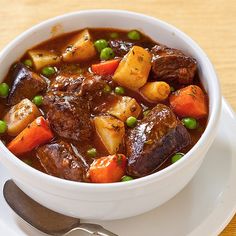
<point x="120" y="47"/>
<point x="60" y="159"/>
<point x="170" y="64"/>
<point x="68" y="115"/>
<point x="26" y="84"/>
<point x="67" y="83"/>
<point x="158" y="136"/>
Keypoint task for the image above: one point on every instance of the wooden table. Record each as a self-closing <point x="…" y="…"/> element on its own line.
<point x="212" y="23"/>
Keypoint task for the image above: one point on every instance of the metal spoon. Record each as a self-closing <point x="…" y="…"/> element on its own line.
<point x="42" y="218"/>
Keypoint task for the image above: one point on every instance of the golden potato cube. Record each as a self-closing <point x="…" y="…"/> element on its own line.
<point x="155" y="91"/>
<point x="111" y="132"/>
<point x="20" y="115"/>
<point x="133" y="69"/>
<point x="124" y="108"/>
<point x="81" y="48"/>
<point x="42" y="58"/>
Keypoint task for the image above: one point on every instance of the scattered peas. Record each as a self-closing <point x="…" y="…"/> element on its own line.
<point x="126" y="178"/>
<point x="3" y="127"/>
<point x="119" y="90"/>
<point x="176" y="157"/>
<point x="134" y="35"/>
<point x="114" y="35"/>
<point x="172" y="89"/>
<point x="38" y="100"/>
<point x="190" y="123"/>
<point x="107" y="54"/>
<point x="107" y="89"/>
<point x="100" y="44"/>
<point x="4" y="90"/>
<point x="28" y="63"/>
<point x="92" y="152"/>
<point x="145" y="113"/>
<point x="131" y="121"/>
<point x="48" y="71"/>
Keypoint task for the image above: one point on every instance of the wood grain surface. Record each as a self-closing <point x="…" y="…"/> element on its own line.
<point x="211" y="23"/>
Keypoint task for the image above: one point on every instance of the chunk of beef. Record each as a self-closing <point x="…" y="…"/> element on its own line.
<point x="159" y="135"/>
<point x="120" y="47"/>
<point x="60" y="159"/>
<point x="68" y="115"/>
<point x="26" y="84"/>
<point x="170" y="64"/>
<point x="67" y="83"/>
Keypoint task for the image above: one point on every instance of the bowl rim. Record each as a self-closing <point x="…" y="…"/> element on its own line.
<point x="207" y="136"/>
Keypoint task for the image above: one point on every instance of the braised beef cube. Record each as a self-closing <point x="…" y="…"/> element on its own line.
<point x="59" y="159"/>
<point x="68" y="115"/>
<point x="120" y="47"/>
<point x="170" y="64"/>
<point x="26" y="84"/>
<point x="158" y="136"/>
<point x="67" y="83"/>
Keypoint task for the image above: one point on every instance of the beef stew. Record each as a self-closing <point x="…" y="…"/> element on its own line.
<point x="102" y="105"/>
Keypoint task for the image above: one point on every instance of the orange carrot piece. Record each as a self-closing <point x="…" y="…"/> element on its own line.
<point x="106" y="68"/>
<point x="108" y="169"/>
<point x="189" y="101"/>
<point x="35" y="134"/>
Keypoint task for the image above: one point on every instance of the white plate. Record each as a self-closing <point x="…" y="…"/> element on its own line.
<point x="203" y="208"/>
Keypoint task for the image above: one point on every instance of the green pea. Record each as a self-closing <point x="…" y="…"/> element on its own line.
<point x="27" y="161"/>
<point x="119" y="90"/>
<point x="145" y="113"/>
<point x="172" y="89"/>
<point x="4" y="90"/>
<point x="126" y="178"/>
<point x="3" y="127"/>
<point x="107" y="89"/>
<point x="28" y="62"/>
<point x="92" y="152"/>
<point x="38" y="100"/>
<point x="114" y="35"/>
<point x="176" y="157"/>
<point x="100" y="44"/>
<point x="107" y="54"/>
<point x="131" y="122"/>
<point x="190" y="123"/>
<point x="134" y="35"/>
<point x="48" y="71"/>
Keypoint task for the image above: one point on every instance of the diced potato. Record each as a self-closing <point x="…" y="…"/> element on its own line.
<point x="43" y="58"/>
<point x="155" y="91"/>
<point x="111" y="132"/>
<point x="124" y="108"/>
<point x="20" y="115"/>
<point x="81" y="48"/>
<point x="134" y="68"/>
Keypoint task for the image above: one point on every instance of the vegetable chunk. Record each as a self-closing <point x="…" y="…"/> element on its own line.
<point x="134" y="68"/>
<point x="189" y="101"/>
<point x="106" y="68"/>
<point x="81" y="48"/>
<point x="155" y="91"/>
<point x="43" y="58"/>
<point x="124" y="108"/>
<point x="20" y="115"/>
<point x="108" y="169"/>
<point x="111" y="131"/>
<point x="35" y="134"/>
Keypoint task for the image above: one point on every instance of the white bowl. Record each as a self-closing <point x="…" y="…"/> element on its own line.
<point x="116" y="200"/>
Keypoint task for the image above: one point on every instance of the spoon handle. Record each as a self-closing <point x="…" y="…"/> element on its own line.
<point x="93" y="229"/>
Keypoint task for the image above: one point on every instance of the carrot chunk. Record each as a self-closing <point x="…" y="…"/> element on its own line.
<point x="108" y="169"/>
<point x="189" y="101"/>
<point x="106" y="68"/>
<point x="35" y="134"/>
